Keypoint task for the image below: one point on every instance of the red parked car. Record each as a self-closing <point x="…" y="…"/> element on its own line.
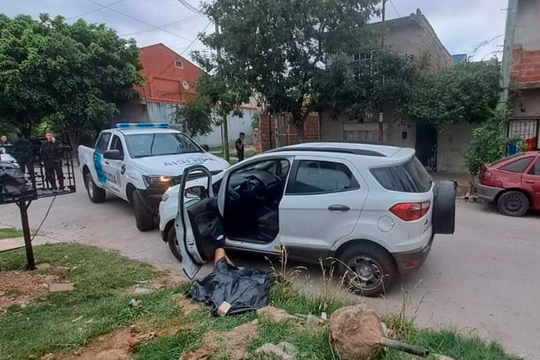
<point x="512" y="183"/>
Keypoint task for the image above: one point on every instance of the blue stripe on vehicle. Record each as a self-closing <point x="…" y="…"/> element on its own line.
<point x="99" y="169"/>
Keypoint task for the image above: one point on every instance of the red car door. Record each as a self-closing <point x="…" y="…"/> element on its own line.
<point x="531" y="182"/>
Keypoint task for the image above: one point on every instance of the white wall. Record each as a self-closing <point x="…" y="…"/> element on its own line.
<point x="236" y="126"/>
<point x="453" y="142"/>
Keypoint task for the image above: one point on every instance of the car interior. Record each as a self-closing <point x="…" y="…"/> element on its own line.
<point x="252" y="200"/>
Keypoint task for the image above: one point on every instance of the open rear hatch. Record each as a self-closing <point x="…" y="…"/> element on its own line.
<point x="199" y="225"/>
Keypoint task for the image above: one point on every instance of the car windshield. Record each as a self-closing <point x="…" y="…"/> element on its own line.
<point x="144" y="145"/>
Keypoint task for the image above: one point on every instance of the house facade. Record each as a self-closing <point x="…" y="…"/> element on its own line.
<point x="439" y="148"/>
<point x="170" y="82"/>
<point x="525" y="117"/>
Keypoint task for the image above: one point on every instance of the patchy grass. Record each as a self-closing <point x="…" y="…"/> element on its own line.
<point x="60" y="323"/>
<point x="10" y="233"/>
<point x="218" y="151"/>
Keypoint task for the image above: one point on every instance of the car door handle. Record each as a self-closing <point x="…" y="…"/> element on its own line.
<point x="530" y="182"/>
<point x="106" y="162"/>
<point x="341" y="208"/>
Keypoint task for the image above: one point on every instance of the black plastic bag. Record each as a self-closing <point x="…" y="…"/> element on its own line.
<point x="244" y="289"/>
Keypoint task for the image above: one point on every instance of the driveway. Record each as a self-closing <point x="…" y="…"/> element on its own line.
<point x="483" y="279"/>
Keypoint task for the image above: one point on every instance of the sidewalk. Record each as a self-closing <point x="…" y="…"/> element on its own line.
<point x="464" y="180"/>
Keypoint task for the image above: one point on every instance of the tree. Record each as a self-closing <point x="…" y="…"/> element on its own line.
<point x="358" y="88"/>
<point x="488" y="142"/>
<point x="276" y="48"/>
<point x="195" y="116"/>
<point x="465" y="92"/>
<point x="71" y="75"/>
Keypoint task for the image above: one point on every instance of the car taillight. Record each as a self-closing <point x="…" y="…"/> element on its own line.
<point x="411" y="210"/>
<point x="485" y="175"/>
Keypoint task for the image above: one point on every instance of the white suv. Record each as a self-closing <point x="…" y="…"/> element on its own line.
<point x="373" y="207"/>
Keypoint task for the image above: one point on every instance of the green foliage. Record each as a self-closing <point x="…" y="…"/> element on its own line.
<point x="465" y="92"/>
<point x="276" y="48"/>
<point x="195" y="116"/>
<point x="487" y="143"/>
<point x="10" y="233"/>
<point x="71" y="75"/>
<point x="359" y="88"/>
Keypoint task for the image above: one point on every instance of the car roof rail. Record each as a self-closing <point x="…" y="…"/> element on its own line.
<point x="362" y="152"/>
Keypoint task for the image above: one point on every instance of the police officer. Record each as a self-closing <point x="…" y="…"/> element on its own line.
<point x="22" y="150"/>
<point x="51" y="154"/>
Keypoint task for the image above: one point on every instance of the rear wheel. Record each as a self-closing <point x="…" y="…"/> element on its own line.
<point x="513" y="203"/>
<point x="173" y="243"/>
<point x="95" y="193"/>
<point x="143" y="216"/>
<point x="368" y="270"/>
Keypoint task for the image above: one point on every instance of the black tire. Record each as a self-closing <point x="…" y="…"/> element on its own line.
<point x="95" y="193"/>
<point x="376" y="260"/>
<point x="173" y="244"/>
<point x="143" y="216"/>
<point x="513" y="203"/>
<point x="444" y="208"/>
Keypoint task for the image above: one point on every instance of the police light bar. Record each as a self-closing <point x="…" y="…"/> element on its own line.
<point x="142" y="125"/>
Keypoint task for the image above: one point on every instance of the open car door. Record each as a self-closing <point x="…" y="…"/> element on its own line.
<point x="199" y="227"/>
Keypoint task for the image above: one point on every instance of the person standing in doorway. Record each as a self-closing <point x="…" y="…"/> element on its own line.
<point x="22" y="150"/>
<point x="240" y="147"/>
<point x="51" y="154"/>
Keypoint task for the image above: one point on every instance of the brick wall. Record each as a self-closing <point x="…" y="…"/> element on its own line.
<point x="268" y="138"/>
<point x="526" y="66"/>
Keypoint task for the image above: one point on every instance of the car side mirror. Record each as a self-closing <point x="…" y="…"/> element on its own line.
<point x="206" y="147"/>
<point x="113" y="155"/>
<point x="196" y="192"/>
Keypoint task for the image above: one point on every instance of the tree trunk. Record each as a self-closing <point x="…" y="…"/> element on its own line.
<point x="300" y="131"/>
<point x="74" y="141"/>
<point x="225" y="140"/>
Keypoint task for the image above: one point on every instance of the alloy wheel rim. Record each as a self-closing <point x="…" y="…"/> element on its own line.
<point x="367" y="274"/>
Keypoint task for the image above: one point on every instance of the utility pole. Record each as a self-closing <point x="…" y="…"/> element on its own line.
<point x="224" y="124"/>
<point x="506" y="68"/>
<point x="381" y="110"/>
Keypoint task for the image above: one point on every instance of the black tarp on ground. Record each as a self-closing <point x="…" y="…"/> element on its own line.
<point x="244" y="288"/>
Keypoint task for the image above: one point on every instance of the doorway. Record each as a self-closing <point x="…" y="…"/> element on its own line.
<point x="426" y="145"/>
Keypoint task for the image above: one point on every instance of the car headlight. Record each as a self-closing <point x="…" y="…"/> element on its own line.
<point x="158" y="181"/>
<point x="165" y="197"/>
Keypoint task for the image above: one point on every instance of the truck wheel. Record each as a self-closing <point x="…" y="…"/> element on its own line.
<point x="173" y="243"/>
<point x="368" y="271"/>
<point x="513" y="203"/>
<point x="95" y="193"/>
<point x="143" y="217"/>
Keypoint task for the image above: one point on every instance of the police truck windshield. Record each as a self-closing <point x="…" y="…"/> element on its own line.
<point x="144" y="145"/>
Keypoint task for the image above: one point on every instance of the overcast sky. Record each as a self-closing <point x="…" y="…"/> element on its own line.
<point x="460" y="24"/>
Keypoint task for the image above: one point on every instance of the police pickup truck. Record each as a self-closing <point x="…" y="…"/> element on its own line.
<point x="138" y="163"/>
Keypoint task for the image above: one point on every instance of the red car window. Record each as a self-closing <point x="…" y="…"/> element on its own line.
<point x="517" y="166"/>
<point x="535" y="170"/>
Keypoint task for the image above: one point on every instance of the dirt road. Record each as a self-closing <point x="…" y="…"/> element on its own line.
<point x="483" y="279"/>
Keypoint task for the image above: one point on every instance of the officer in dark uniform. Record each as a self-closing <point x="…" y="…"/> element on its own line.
<point x="23" y="153"/>
<point x="51" y="154"/>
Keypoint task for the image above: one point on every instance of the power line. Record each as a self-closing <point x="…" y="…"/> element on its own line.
<point x="196" y="38"/>
<point x="92" y="11"/>
<point x="139" y="20"/>
<point x="190" y="7"/>
<point x="394" y="6"/>
<point x="162" y="26"/>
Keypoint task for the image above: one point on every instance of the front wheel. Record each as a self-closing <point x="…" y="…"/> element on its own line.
<point x="368" y="270"/>
<point x="143" y="216"/>
<point x="173" y="243"/>
<point x="513" y="203"/>
<point x="95" y="193"/>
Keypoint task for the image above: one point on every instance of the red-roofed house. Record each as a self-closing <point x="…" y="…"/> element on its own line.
<point x="171" y="82"/>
